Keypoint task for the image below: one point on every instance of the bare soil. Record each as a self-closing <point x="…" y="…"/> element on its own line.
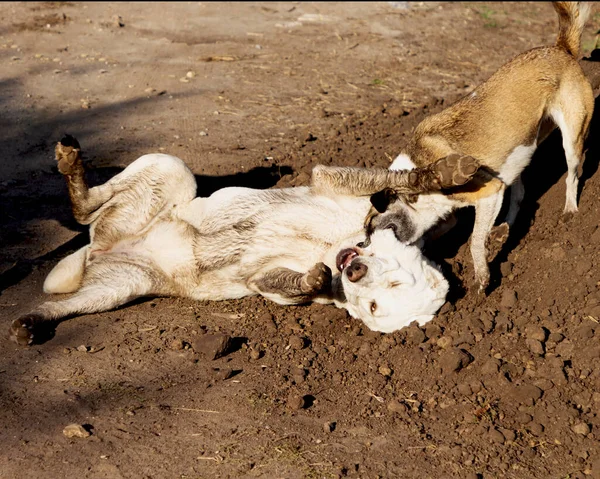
<point x="256" y="94"/>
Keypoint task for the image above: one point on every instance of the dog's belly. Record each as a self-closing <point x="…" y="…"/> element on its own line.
<point x="515" y="163"/>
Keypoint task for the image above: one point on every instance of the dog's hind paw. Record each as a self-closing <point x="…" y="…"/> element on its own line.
<point x="496" y="240"/>
<point x="318" y="278"/>
<point x="67" y="155"/>
<point x="21" y="330"/>
<point x="455" y="170"/>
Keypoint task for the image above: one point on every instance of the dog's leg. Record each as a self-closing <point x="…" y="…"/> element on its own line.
<point x="573" y="116"/>
<point x="107" y="284"/>
<point x="67" y="275"/>
<point x="453" y="170"/>
<point x="285" y="286"/>
<point x="517" y="192"/>
<point x="84" y="200"/>
<point x="486" y="211"/>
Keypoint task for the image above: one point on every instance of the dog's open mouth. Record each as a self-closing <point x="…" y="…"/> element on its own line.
<point x="345" y="257"/>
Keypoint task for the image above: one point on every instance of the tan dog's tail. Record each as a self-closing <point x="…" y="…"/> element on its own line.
<point x="571" y="20"/>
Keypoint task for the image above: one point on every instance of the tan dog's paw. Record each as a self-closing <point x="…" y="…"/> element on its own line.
<point x="67" y="155"/>
<point x="455" y="170"/>
<point x="318" y="278"/>
<point x="496" y="240"/>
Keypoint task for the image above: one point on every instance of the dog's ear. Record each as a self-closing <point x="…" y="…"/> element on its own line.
<point x="382" y="199"/>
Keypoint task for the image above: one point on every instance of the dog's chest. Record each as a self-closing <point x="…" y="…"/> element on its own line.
<point x="515" y="163"/>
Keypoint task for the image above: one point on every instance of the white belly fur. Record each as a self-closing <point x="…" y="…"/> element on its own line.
<point x="516" y="162"/>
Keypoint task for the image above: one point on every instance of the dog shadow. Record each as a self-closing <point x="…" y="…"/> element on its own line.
<point x="547" y="168"/>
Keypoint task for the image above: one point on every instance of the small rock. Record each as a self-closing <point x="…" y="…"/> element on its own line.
<point x="76" y="430"/>
<point x="255" y="354"/>
<point x="581" y="428"/>
<point x="415" y="335"/>
<point x="536" y="332"/>
<point x="509" y="299"/>
<point x="396" y="406"/>
<point x="526" y="394"/>
<point x="176" y="345"/>
<point x="556" y="337"/>
<point x="455" y="360"/>
<point x="82" y="349"/>
<point x="190" y="74"/>
<point x="491" y="366"/>
<point x="295" y="402"/>
<point x="496" y="436"/>
<point x="85" y="104"/>
<point x="508" y="434"/>
<point x="432" y="330"/>
<point x="444" y="342"/>
<point x="583" y="266"/>
<point x="297" y="343"/>
<point x="203" y="133"/>
<point x="329" y="426"/>
<point x="385" y="371"/>
<point x="535" y="346"/>
<point x="213" y="346"/>
<point x="565" y="349"/>
<point x="535" y="428"/>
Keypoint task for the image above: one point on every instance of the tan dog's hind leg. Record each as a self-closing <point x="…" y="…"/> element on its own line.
<point x="573" y="115"/>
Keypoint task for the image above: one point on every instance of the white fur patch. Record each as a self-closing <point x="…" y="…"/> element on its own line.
<point x="516" y="162"/>
<point x="402" y="162"/>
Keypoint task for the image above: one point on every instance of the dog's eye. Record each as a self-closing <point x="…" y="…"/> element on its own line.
<point x="373" y="307"/>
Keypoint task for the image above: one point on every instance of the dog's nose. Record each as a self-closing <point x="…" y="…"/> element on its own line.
<point x="356" y="270"/>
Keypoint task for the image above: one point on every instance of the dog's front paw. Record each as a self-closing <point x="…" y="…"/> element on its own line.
<point x="318" y="278"/>
<point x="455" y="170"/>
<point x="67" y="155"/>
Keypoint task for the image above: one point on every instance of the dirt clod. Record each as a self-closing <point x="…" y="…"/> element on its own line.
<point x="455" y="360"/>
<point x="212" y="345"/>
<point x="76" y="430"/>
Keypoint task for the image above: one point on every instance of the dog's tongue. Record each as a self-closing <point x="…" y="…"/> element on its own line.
<point x="345" y="257"/>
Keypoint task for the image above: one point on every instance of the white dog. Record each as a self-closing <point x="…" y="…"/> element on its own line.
<point x="150" y="236"/>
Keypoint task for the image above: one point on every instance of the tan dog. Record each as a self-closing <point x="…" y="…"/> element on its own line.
<point x="151" y="236"/>
<point x="501" y="124"/>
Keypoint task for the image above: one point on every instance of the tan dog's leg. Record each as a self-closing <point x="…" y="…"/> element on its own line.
<point x="573" y="115"/>
<point x="453" y="170"/>
<point x="486" y="211"/>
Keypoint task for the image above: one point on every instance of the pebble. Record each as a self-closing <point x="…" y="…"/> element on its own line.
<point x="255" y="354"/>
<point x="297" y="343"/>
<point x="509" y="299"/>
<point x="536" y="332"/>
<point x="329" y="426"/>
<point x="295" y="402"/>
<point x="490" y="367"/>
<point x="385" y="371"/>
<point x="415" y="335"/>
<point x="496" y="436"/>
<point x="432" y="330"/>
<point x="455" y="360"/>
<point x="396" y="406"/>
<point x="581" y="428"/>
<point x="535" y="346"/>
<point x="526" y="394"/>
<point x="444" y="342"/>
<point x="565" y="349"/>
<point x="176" y="345"/>
<point x="535" y="428"/>
<point x="82" y="349"/>
<point x="76" y="430"/>
<point x="212" y="345"/>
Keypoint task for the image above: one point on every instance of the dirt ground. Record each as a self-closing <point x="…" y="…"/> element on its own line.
<point x="256" y="94"/>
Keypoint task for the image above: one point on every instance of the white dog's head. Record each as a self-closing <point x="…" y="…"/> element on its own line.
<point x="388" y="285"/>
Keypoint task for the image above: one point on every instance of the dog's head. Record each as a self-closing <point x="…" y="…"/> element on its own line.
<point x="388" y="284"/>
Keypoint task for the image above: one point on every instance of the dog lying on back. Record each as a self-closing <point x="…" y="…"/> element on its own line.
<point x="500" y="123"/>
<point x="150" y="236"/>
